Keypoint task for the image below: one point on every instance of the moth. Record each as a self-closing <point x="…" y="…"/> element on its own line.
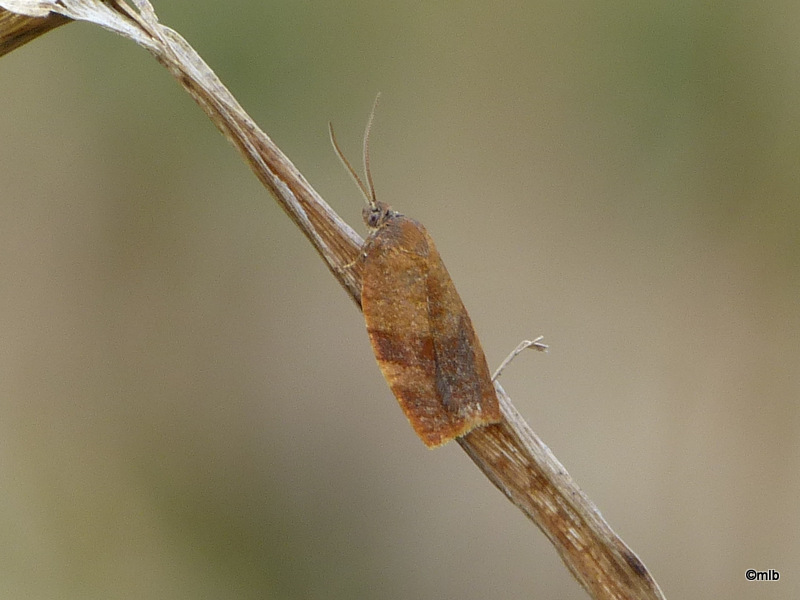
<point x="420" y="332"/>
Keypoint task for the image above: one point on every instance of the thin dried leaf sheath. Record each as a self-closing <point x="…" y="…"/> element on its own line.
<point x="422" y="335"/>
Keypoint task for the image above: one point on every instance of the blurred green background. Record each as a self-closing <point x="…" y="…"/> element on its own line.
<point x="189" y="406"/>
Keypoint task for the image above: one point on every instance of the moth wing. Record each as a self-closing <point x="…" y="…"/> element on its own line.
<point x="409" y="303"/>
<point x="464" y="384"/>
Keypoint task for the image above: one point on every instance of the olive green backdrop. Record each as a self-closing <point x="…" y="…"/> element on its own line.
<point x="189" y="406"/>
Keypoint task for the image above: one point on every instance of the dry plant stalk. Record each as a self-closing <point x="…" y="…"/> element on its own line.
<point x="17" y="30"/>
<point x="509" y="453"/>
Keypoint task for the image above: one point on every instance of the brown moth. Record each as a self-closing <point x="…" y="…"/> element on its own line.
<point x="420" y="331"/>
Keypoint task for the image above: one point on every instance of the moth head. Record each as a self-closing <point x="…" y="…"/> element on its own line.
<point x="375" y="213"/>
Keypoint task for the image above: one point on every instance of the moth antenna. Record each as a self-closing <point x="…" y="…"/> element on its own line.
<point x="348" y="166"/>
<point x="370" y="184"/>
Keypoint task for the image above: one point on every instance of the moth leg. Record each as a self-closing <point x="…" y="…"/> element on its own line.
<point x="356" y="263"/>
